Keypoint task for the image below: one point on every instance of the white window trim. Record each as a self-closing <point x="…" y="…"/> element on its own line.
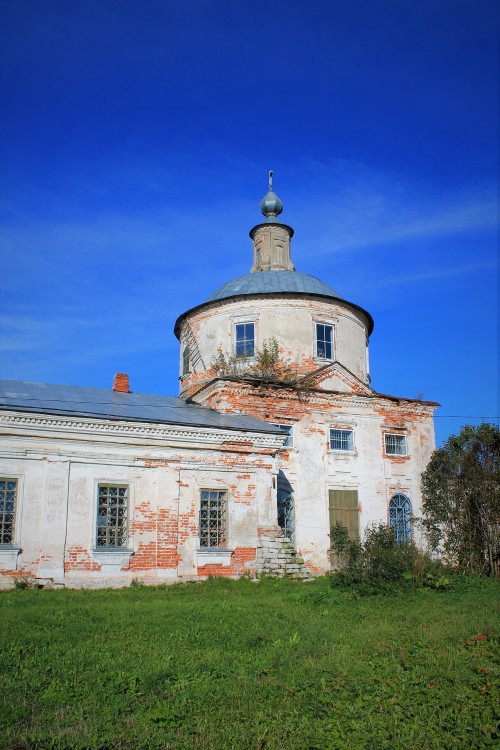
<point x="399" y="435"/>
<point x="114" y="558"/>
<point x="340" y="451"/>
<point x="213" y="555"/>
<point x="252" y="320"/>
<point x="324" y="322"/>
<point x="9" y="553"/>
<point x="213" y="488"/>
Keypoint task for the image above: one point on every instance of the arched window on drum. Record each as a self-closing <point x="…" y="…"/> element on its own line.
<point x="400" y="517"/>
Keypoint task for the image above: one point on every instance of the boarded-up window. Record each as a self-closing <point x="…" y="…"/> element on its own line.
<point x="343" y="508"/>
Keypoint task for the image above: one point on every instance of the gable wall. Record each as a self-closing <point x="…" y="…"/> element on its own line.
<point x="313" y="469"/>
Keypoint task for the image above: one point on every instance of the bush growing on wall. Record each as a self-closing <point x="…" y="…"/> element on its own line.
<point x="266" y="367"/>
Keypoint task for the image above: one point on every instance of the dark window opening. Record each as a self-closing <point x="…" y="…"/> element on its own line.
<point x="245" y="339"/>
<point x="324" y="341"/>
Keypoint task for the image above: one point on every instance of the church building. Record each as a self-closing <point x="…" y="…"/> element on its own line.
<point x="275" y="436"/>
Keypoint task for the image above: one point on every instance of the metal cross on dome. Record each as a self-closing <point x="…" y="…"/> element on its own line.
<point x="270" y="180"/>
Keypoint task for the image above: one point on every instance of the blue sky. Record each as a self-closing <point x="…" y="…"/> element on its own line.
<point x="135" y="139"/>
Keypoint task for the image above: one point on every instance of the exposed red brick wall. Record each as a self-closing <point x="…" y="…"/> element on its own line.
<point x="287" y="405"/>
<point x="78" y="558"/>
<point x="160" y="551"/>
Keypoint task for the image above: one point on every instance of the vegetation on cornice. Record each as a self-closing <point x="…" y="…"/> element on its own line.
<point x="266" y="368"/>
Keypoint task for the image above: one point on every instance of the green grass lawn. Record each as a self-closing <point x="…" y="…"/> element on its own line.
<point x="264" y="666"/>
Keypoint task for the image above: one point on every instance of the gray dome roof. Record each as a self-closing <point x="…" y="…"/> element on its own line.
<point x="273" y="282"/>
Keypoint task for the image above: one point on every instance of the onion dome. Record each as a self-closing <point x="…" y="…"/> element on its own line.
<point x="270" y="205"/>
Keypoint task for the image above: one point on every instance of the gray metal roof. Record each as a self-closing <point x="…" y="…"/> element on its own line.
<point x="273" y="282"/>
<point x="79" y="401"/>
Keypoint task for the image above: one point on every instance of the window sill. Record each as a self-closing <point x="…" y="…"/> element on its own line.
<point x="342" y="454"/>
<point x="214" y="556"/>
<point x="116" y="556"/>
<point x="8" y="556"/>
<point x="248" y="361"/>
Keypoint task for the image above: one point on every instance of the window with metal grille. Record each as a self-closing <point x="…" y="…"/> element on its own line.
<point x="341" y="440"/>
<point x="245" y="339"/>
<point x="8" y="501"/>
<point x="213" y="511"/>
<point x="324" y="341"/>
<point x="400" y="517"/>
<point x="288" y="429"/>
<point x="185" y="360"/>
<point x="395" y="445"/>
<point x="112" y="516"/>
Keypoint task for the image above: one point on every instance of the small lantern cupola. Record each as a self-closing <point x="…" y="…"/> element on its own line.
<point x="271" y="239"/>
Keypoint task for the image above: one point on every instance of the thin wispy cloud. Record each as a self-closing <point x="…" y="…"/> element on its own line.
<point x="358" y="208"/>
<point x="439" y="273"/>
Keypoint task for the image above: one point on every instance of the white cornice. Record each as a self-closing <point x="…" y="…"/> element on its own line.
<point x="93" y="429"/>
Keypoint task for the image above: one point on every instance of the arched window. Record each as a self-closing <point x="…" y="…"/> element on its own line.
<point x="400" y="517"/>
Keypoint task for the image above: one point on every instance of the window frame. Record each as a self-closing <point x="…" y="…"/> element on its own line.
<point x="117" y="485"/>
<point x="404" y="440"/>
<point x="341" y="430"/>
<point x="201" y="536"/>
<point x="288" y="430"/>
<point x="15" y="513"/>
<point x="243" y="324"/>
<point x="405" y="524"/>
<point x="185" y="360"/>
<point x="317" y="341"/>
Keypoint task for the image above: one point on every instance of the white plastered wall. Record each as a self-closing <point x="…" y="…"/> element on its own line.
<point x="291" y="321"/>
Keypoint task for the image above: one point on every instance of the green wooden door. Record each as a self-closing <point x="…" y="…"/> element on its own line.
<point x="343" y="508"/>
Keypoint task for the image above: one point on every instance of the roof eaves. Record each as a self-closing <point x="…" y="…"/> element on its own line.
<point x="220" y="302"/>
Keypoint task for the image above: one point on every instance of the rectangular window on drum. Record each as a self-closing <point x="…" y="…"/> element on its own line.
<point x="245" y="339"/>
<point x="324" y="341"/>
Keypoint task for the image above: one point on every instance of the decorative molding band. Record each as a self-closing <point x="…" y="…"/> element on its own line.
<point x="369" y="402"/>
<point x="197" y="435"/>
